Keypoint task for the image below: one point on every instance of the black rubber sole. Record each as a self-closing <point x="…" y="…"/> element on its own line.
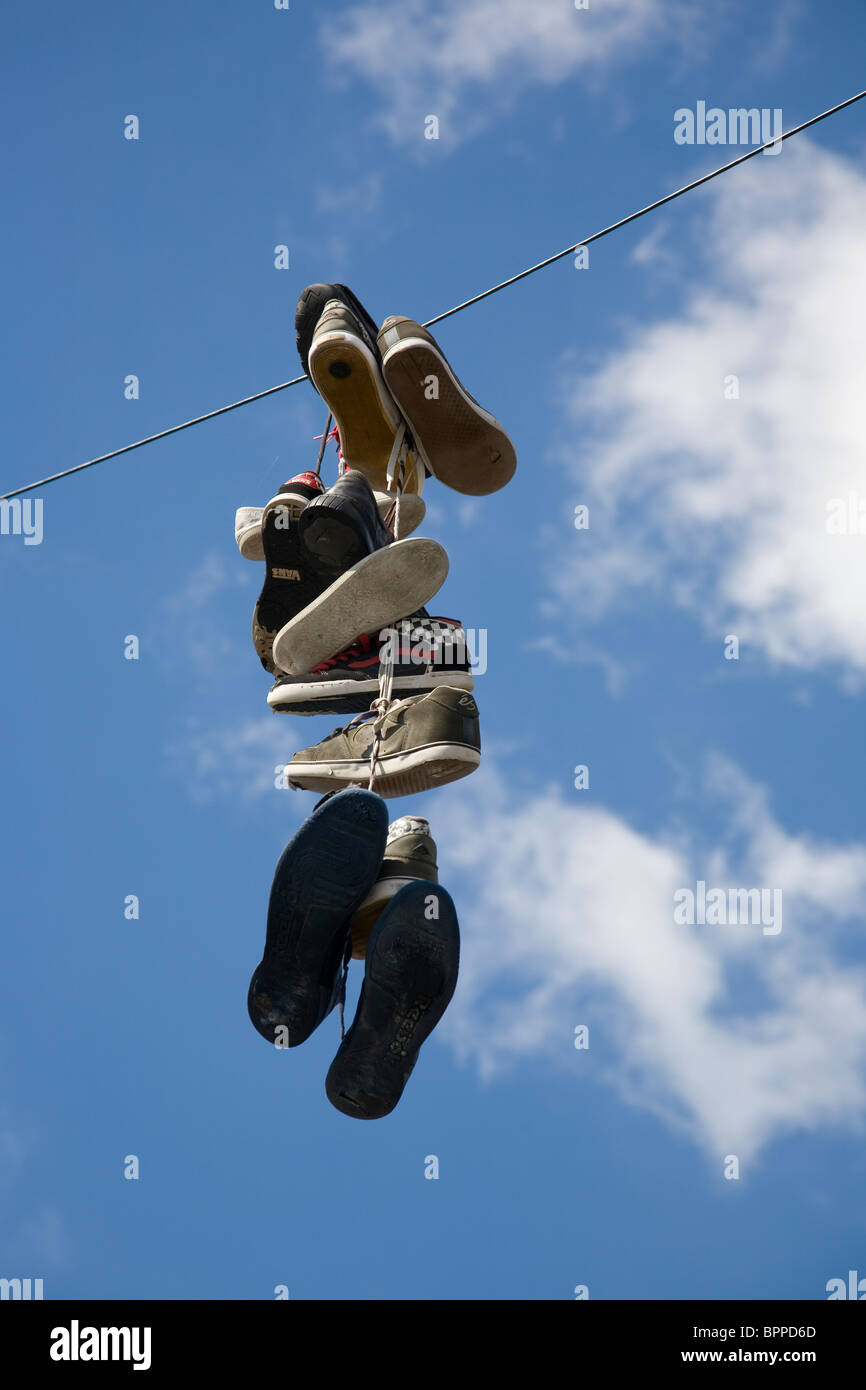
<point x="410" y="976"/>
<point x="310" y="308"/>
<point x="333" y="539"/>
<point x="322" y="877"/>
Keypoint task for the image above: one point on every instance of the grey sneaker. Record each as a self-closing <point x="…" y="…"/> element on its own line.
<point x="461" y="443"/>
<point x="427" y="740"/>
<point x="410" y="856"/>
<point x="345" y="370"/>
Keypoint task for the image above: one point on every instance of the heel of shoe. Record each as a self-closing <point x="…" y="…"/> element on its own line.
<point x="334" y="540"/>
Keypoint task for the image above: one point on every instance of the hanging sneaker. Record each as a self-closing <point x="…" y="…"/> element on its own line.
<point x="248" y="532"/>
<point x="401" y="513"/>
<point x="426" y="741"/>
<point x="427" y="652"/>
<point x="311" y="306"/>
<point x="460" y="442"/>
<point x="322" y="877"/>
<point x="410" y="975"/>
<point x="344" y="366"/>
<point x="343" y="524"/>
<point x="399" y="578"/>
<point x="410" y="855"/>
<point x="292" y="581"/>
<point x="294" y="496"/>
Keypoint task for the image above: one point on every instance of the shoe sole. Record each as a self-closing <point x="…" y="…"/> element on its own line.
<point x="409" y="981"/>
<point x="412" y="511"/>
<point x="463" y="446"/>
<point x="358" y="400"/>
<point x="379" y="590"/>
<point x="291" y="582"/>
<point x="372" y="908"/>
<point x="310" y="308"/>
<point x="353" y="697"/>
<point x="397" y="774"/>
<point x="323" y="876"/>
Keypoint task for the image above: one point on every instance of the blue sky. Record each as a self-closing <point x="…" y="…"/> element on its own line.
<point x="559" y="1167"/>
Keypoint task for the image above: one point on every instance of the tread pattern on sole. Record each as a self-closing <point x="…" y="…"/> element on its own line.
<point x="466" y="452"/>
<point x="321" y="879"/>
<point x="410" y="977"/>
<point x="408" y="782"/>
<point x="397" y="579"/>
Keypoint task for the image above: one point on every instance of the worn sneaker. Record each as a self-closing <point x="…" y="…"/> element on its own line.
<point x="401" y="513"/>
<point x="410" y="854"/>
<point x="344" y="367"/>
<point x="426" y="741"/>
<point x="460" y="442"/>
<point x="324" y="874"/>
<point x="397" y="579"/>
<point x="292" y="581"/>
<point x="311" y="306"/>
<point x="410" y="975"/>
<point x="344" y="524"/>
<point x="427" y="652"/>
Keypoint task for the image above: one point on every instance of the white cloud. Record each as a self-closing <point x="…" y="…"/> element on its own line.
<point x="191" y="621"/>
<point x="350" y="201"/>
<point x="567" y="918"/>
<point x="236" y="763"/>
<point x="720" y="505"/>
<point x="425" y="60"/>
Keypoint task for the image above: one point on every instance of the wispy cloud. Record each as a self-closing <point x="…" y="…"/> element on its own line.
<point x="341" y="199"/>
<point x="423" y="59"/>
<point x="192" y="621"/>
<point x="714" y="440"/>
<point x="567" y="918"/>
<point x="236" y="763"/>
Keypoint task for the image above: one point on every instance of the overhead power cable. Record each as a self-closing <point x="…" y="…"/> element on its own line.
<point x="476" y="299"/>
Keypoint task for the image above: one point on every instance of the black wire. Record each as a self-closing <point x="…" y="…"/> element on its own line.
<point x="476" y="299"/>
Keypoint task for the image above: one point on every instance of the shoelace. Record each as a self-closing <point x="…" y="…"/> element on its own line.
<point x="381" y="706"/>
<point x="379" y="709"/>
<point x="361" y="647"/>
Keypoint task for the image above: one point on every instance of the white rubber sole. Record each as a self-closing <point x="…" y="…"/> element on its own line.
<point x="307" y="691"/>
<point x="409" y="511"/>
<point x="376" y="592"/>
<point x="397" y="774"/>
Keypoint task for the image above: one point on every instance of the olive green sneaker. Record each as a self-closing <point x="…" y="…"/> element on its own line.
<point x="410" y="856"/>
<point x="427" y="740"/>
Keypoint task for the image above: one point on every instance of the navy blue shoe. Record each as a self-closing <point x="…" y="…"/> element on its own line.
<point x="323" y="876"/>
<point x="410" y="976"/>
